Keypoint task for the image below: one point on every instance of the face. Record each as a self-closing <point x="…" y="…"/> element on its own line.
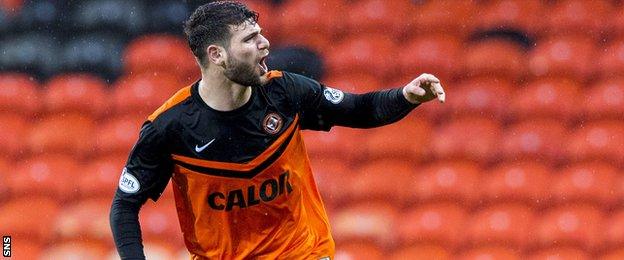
<point x="245" y="63"/>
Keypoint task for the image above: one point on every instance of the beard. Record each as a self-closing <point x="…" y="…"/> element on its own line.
<point x="241" y="73"/>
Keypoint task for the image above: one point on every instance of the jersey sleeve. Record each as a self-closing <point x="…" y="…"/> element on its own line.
<point x="148" y="169"/>
<point x="322" y="107"/>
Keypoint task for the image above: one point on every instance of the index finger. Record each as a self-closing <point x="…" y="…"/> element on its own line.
<point x="438" y="91"/>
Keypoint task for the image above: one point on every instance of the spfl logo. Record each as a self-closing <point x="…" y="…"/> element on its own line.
<point x="128" y="183"/>
<point x="6" y="246"/>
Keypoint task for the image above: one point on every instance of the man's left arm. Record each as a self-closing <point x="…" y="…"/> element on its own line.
<point x="322" y="107"/>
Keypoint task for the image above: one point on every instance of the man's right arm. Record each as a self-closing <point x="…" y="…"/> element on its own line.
<point x="145" y="176"/>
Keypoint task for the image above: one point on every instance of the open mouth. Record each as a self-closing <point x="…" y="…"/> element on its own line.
<point x="263" y="66"/>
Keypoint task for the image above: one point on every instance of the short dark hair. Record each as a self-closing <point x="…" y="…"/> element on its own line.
<point x="209" y="24"/>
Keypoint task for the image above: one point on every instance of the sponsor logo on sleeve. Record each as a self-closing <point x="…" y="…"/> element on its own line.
<point x="128" y="183"/>
<point x="333" y="95"/>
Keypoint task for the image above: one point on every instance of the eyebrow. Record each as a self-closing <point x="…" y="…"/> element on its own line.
<point x="253" y="34"/>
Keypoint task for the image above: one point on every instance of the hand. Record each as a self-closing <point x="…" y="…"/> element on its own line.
<point x="424" y="88"/>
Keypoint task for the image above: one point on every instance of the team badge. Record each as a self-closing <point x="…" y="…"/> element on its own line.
<point x="333" y="95"/>
<point x="272" y="123"/>
<point x="128" y="183"/>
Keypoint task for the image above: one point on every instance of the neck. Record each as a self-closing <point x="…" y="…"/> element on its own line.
<point x="220" y="93"/>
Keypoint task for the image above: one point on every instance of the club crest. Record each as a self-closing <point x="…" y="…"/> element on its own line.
<point x="272" y="123"/>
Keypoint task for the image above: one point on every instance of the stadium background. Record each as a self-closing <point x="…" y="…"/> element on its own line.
<point x="524" y="160"/>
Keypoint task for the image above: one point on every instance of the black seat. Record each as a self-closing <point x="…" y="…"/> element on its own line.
<point x="34" y="53"/>
<point x="299" y="60"/>
<point x="167" y="16"/>
<point x="119" y="16"/>
<point x="95" y="52"/>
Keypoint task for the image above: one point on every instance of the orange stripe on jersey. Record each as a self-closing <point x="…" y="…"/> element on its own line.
<point x="274" y="74"/>
<point x="178" y="97"/>
<point x="248" y="166"/>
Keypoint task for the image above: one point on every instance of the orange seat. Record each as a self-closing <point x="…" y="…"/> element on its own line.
<point x="13" y="130"/>
<point x="28" y="218"/>
<point x="480" y="139"/>
<point x="615" y="23"/>
<point x="19" y="94"/>
<point x="496" y="57"/>
<point x="560" y="253"/>
<point x="421" y="252"/>
<point x="143" y="94"/>
<point x="511" y="14"/>
<point x="368" y="221"/>
<point x="85" y="220"/>
<point x="152" y="54"/>
<point x="605" y="99"/>
<point x="159" y="222"/>
<point x="75" y="250"/>
<point x="379" y="16"/>
<point x="563" y="56"/>
<point x="81" y="93"/>
<point x="330" y="175"/>
<point x="358" y="250"/>
<point x="479" y="96"/>
<point x="451" y="180"/>
<point x="436" y="54"/>
<point x="575" y="225"/>
<point x="525" y="182"/>
<point x="585" y="182"/>
<point x="506" y="224"/>
<point x="372" y="180"/>
<point x="412" y="143"/>
<point x="489" y="252"/>
<point x="45" y="175"/>
<point x="611" y="60"/>
<point x="539" y="139"/>
<point x="372" y="54"/>
<point x="118" y="134"/>
<point x="339" y="142"/>
<point x="613" y="255"/>
<point x="25" y="249"/>
<point x="355" y="83"/>
<point x="601" y="140"/>
<point x="52" y="135"/>
<point x="310" y="17"/>
<point x="100" y="176"/>
<point x="584" y="18"/>
<point x="447" y="17"/>
<point x="614" y="235"/>
<point x="554" y="98"/>
<point x="440" y="223"/>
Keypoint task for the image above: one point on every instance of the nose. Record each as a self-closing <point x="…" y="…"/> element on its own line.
<point x="264" y="43"/>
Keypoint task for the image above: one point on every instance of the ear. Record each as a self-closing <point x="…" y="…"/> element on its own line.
<point x="216" y="54"/>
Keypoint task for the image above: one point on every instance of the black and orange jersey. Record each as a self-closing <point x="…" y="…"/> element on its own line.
<point x="242" y="180"/>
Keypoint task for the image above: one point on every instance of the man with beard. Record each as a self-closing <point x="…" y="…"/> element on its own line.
<point x="231" y="143"/>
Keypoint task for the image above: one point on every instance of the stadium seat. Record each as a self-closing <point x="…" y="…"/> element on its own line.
<point x="554" y="98"/>
<point x="83" y="93"/>
<point x="560" y="253"/>
<point x="367" y="221"/>
<point x="13" y="129"/>
<point x="421" y="252"/>
<point x="445" y="180"/>
<point x="310" y="17"/>
<point x="524" y="182"/>
<point x="159" y="222"/>
<point x="119" y="134"/>
<point x="563" y="56"/>
<point x="615" y="23"/>
<point x="489" y="252"/>
<point x="100" y="176"/>
<point x="345" y="143"/>
<point x="75" y="250"/>
<point x="297" y="59"/>
<point x="141" y="95"/>
<point x="167" y="16"/>
<point x="407" y="139"/>
<point x="358" y="250"/>
<point x="152" y="54"/>
<point x="613" y="255"/>
<point x="85" y="220"/>
<point x="330" y="175"/>
<point x="611" y="59"/>
<point x="577" y="225"/>
<point x="43" y="16"/>
<point x="94" y="15"/>
<point x="604" y="99"/>
<point x="601" y="140"/>
<point x="48" y="175"/>
<point x="52" y="135"/>
<point x="448" y="17"/>
<point x="614" y="235"/>
<point x="25" y="249"/>
<point x="95" y="53"/>
<point x="509" y="225"/>
<point x="439" y="223"/>
<point x="315" y="41"/>
<point x="19" y="94"/>
<point x="355" y="82"/>
<point x="30" y="218"/>
<point x="585" y="182"/>
<point x="36" y="53"/>
<point x="520" y="15"/>
<point x="384" y="179"/>
<point x="538" y="139"/>
<point x="437" y="54"/>
<point x="480" y="139"/>
<point x="584" y="18"/>
<point x="379" y="16"/>
<point x="487" y="96"/>
<point x="373" y="54"/>
<point x="498" y="57"/>
<point x="268" y="19"/>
